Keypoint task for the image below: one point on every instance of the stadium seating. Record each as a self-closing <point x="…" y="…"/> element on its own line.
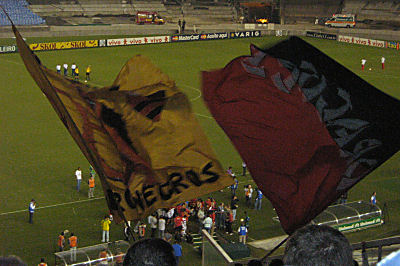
<point x="19" y="13"/>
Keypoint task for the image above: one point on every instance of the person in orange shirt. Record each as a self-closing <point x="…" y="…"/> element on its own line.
<point x="73" y="243"/>
<point x="91" y="187"/>
<point x="119" y="259"/>
<point x="103" y="257"/>
<point x="61" y="241"/>
<point x="42" y="262"/>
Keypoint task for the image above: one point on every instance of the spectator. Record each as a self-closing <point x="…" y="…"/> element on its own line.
<point x="32" y="206"/>
<point x="343" y="198"/>
<point x="103" y="257"/>
<point x="234" y="206"/>
<point x="178" y="224"/>
<point x="318" y="245"/>
<point x="242" y="233"/>
<point x="258" y="202"/>
<point x="248" y="194"/>
<point x="142" y="230"/>
<point x="42" y="263"/>
<point x="177" y="251"/>
<point x="220" y="216"/>
<point x="229" y="221"/>
<point x="153" y="251"/>
<point x="105" y="225"/>
<point x="208" y="223"/>
<point x="153" y="225"/>
<point x="161" y="227"/>
<point x="200" y="216"/>
<point x="234" y="186"/>
<point x="230" y="172"/>
<point x="183" y="26"/>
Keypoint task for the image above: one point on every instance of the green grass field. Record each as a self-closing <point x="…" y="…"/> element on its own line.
<point x="38" y="156"/>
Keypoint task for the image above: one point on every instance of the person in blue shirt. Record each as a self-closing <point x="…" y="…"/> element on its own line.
<point x="242" y="233"/>
<point x="234" y="186"/>
<point x="177" y="251"/>
<point x="32" y="206"/>
<point x="257" y="204"/>
<point x="373" y="198"/>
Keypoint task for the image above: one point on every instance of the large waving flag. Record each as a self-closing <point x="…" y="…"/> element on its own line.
<point x="308" y="128"/>
<point x="140" y="135"/>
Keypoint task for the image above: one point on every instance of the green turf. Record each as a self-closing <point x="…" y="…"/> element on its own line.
<point x="38" y="157"/>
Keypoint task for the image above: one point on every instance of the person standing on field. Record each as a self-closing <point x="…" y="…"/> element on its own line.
<point x="105" y="224"/>
<point x="58" y="68"/>
<point x="78" y="174"/>
<point x="383" y="62"/>
<point x="73" y="243"/>
<point x="61" y="242"/>
<point x="91" y="187"/>
<point x="73" y="67"/>
<point x="32" y="206"/>
<point x="363" y="61"/>
<point x="88" y="71"/>
<point x="65" y="66"/>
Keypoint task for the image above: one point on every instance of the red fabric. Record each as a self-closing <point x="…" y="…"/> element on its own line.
<point x="279" y="135"/>
<point x="178" y="221"/>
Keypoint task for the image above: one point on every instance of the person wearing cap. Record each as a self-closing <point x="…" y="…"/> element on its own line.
<point x="32" y="206"/>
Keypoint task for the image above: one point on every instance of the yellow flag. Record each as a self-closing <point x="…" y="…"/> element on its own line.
<point x="140" y="135"/>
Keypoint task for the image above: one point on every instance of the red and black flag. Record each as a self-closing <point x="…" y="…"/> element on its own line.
<point x="308" y="128"/>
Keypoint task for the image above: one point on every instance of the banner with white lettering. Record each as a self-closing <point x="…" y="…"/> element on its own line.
<point x="8" y="49"/>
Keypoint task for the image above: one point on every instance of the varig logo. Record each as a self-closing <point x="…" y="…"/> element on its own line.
<point x="245" y="34"/>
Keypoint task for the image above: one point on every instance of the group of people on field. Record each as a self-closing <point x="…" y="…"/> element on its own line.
<point x="74" y="71"/>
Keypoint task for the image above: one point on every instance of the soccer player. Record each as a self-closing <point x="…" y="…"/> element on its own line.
<point x="78" y="174"/>
<point x="383" y="62"/>
<point x="363" y="61"/>
<point x="73" y="67"/>
<point x="65" y="69"/>
<point x="58" y="68"/>
<point x="88" y="71"/>
<point x="76" y="73"/>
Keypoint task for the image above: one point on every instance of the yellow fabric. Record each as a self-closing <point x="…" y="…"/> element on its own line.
<point x="88" y="69"/>
<point x="105" y="224"/>
<point x="143" y="163"/>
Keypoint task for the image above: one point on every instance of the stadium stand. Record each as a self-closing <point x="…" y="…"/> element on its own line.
<point x="308" y="10"/>
<point x="374" y="10"/>
<point x="19" y="13"/>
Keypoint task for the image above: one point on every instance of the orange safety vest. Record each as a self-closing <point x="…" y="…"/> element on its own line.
<point x="60" y="240"/>
<point x="142" y="230"/>
<point x="91" y="183"/>
<point x="42" y="264"/>
<point x="73" y="241"/>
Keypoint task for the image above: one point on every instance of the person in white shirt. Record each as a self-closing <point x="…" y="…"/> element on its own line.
<point x="153" y="225"/>
<point x="363" y="61"/>
<point x="32" y="206"/>
<point x="161" y="227"/>
<point x="58" y="68"/>
<point x="65" y="66"/>
<point x="78" y="174"/>
<point x="208" y="224"/>
<point x="73" y="67"/>
<point x="383" y="62"/>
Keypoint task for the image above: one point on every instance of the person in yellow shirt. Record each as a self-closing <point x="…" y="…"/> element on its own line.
<point x="88" y="71"/>
<point x="77" y="73"/>
<point x="105" y="224"/>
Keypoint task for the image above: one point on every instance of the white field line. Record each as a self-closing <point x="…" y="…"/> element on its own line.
<point x="51" y="206"/>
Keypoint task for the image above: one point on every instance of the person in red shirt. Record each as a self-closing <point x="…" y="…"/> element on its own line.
<point x="73" y="243"/>
<point x="42" y="262"/>
<point x="229" y="221"/>
<point x="61" y="241"/>
<point x="178" y="224"/>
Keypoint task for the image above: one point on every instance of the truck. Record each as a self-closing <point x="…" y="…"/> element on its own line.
<point x="148" y="17"/>
<point x="341" y="21"/>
